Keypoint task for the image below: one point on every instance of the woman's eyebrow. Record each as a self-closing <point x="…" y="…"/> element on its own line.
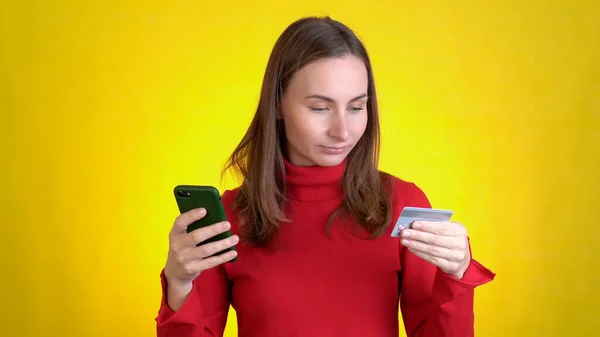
<point x="329" y="99"/>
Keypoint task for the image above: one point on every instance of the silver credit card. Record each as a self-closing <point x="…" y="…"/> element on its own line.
<point x="412" y="214"/>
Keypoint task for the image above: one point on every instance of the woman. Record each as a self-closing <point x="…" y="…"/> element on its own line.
<point x="313" y="217"/>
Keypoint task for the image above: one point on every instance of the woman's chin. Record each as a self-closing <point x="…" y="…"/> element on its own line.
<point x="330" y="159"/>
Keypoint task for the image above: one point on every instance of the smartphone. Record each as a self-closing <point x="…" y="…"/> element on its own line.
<point x="189" y="197"/>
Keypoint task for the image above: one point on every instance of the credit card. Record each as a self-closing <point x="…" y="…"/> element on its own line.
<point x="412" y="214"/>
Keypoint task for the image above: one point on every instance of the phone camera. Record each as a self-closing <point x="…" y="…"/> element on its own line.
<point x="183" y="194"/>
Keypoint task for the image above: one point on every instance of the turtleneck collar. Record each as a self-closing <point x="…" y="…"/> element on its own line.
<point x="314" y="183"/>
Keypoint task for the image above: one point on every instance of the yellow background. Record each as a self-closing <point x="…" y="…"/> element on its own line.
<point x="491" y="107"/>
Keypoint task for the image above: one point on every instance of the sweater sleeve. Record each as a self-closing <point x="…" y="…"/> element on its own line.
<point x="432" y="302"/>
<point x="203" y="314"/>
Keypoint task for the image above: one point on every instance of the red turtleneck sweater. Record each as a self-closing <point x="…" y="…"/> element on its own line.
<point x="312" y="285"/>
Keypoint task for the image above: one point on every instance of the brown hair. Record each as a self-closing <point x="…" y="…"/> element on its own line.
<point x="258" y="158"/>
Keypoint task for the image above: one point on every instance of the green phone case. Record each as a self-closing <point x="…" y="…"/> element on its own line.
<point x="189" y="197"/>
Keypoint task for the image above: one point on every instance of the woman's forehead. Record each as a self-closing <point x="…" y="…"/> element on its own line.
<point x="342" y="78"/>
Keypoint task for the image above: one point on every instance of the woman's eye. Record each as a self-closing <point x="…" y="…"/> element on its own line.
<point x="318" y="109"/>
<point x="357" y="109"/>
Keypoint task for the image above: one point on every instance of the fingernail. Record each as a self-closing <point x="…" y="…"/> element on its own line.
<point x="235" y="239"/>
<point x="226" y="225"/>
<point x="416" y="224"/>
<point x="405" y="242"/>
<point x="405" y="233"/>
<point x="201" y="211"/>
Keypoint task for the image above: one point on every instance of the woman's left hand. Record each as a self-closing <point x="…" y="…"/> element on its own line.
<point x="443" y="244"/>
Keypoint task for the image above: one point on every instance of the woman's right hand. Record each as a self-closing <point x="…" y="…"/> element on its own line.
<point x="185" y="260"/>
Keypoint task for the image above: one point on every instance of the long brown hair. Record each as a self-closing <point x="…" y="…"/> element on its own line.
<point x="258" y="158"/>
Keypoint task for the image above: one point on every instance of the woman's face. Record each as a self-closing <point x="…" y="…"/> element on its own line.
<point x="325" y="111"/>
